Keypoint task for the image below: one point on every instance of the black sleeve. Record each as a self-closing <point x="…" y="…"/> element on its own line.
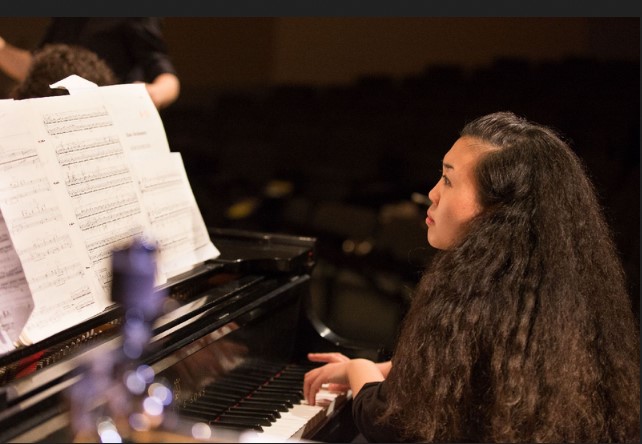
<point x="366" y="407"/>
<point x="134" y="47"/>
<point x="148" y="49"/>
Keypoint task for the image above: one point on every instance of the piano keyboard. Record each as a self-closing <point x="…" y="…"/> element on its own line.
<point x="265" y="401"/>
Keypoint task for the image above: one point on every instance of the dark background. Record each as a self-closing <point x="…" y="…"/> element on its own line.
<point x="327" y="126"/>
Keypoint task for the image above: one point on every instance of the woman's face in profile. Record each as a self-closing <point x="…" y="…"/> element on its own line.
<point x="454" y="199"/>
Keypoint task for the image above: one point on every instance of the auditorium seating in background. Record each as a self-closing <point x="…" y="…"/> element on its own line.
<point x="364" y="147"/>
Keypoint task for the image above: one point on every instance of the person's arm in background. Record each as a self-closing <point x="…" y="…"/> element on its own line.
<point x="14" y="61"/>
<point x="152" y="59"/>
<point x="164" y="89"/>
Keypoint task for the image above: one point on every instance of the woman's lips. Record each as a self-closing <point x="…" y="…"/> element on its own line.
<point x="429" y="219"/>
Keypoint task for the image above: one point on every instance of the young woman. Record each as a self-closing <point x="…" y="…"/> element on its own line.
<point x="521" y="329"/>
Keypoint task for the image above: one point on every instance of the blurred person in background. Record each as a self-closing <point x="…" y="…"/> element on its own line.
<point x="133" y="47"/>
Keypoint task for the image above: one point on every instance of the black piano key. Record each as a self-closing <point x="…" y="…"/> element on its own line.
<point x="254" y="420"/>
<point x="266" y="415"/>
<point x="292" y="373"/>
<point x="289" y="377"/>
<point x="215" y="410"/>
<point x="213" y="403"/>
<point x="223" y="396"/>
<point x="286" y="382"/>
<point x="241" y="383"/>
<point x="285" y="390"/>
<point x="268" y="397"/>
<point x="198" y="414"/>
<point x="211" y="410"/>
<point x="279" y="407"/>
<point x="233" y="398"/>
<point x="238" y="424"/>
<point x="215" y="390"/>
<point x="246" y="402"/>
<point x="239" y="386"/>
<point x="285" y="386"/>
<point x="255" y="378"/>
<point x="284" y="395"/>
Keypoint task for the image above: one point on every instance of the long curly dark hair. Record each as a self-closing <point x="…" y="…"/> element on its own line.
<point x="522" y="332"/>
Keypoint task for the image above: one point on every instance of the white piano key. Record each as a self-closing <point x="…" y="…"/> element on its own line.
<point x="303" y="418"/>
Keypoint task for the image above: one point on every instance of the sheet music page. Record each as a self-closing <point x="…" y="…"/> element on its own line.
<point x="87" y="145"/>
<point x="54" y="266"/>
<point x="135" y="117"/>
<point x="176" y="222"/>
<point x="16" y="303"/>
<point x="70" y="194"/>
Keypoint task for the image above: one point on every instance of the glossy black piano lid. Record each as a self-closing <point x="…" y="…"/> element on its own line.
<point x="241" y="252"/>
<point x="110" y="314"/>
<point x="264" y="252"/>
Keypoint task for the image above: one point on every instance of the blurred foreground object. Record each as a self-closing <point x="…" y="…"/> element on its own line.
<point x="115" y="395"/>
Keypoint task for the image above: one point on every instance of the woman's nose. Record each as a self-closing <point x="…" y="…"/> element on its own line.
<point x="433" y="195"/>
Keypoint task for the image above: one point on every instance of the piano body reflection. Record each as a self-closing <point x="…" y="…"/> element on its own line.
<point x="231" y="347"/>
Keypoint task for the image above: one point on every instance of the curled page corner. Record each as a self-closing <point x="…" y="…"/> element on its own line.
<point x="74" y="84"/>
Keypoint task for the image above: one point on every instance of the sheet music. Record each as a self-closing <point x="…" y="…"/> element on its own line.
<point x="138" y="124"/>
<point x="16" y="303"/>
<point x="175" y="219"/>
<point x="72" y="189"/>
<point x="88" y="145"/>
<point x="53" y="265"/>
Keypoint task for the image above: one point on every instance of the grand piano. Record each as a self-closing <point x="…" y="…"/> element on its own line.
<point x="230" y="345"/>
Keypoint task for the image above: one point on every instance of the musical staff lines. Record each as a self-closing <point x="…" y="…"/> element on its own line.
<point x="106" y="205"/>
<point x="56" y="276"/>
<point x="57" y="123"/>
<point x="46" y="247"/>
<point x="19" y="155"/>
<point x="173" y="210"/>
<point x="110" y="184"/>
<point x="80" y="176"/>
<point x="35" y="217"/>
<point x="87" y="150"/>
<point x="160" y="182"/>
<point x="101" y="247"/>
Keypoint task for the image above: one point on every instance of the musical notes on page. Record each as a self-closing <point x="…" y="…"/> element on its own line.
<point x="89" y="168"/>
<point x="57" y="123"/>
<point x="175" y="220"/>
<point x="16" y="303"/>
<point x="51" y="263"/>
<point x="81" y="176"/>
<point x="136" y="119"/>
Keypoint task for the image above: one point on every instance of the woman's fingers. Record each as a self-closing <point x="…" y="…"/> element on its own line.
<point x="312" y="384"/>
<point x="335" y="387"/>
<point x="327" y="357"/>
<point x="333" y="373"/>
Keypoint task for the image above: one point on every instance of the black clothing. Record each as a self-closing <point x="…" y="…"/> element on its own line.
<point x="366" y="407"/>
<point x="133" y="47"/>
<point x="372" y="399"/>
